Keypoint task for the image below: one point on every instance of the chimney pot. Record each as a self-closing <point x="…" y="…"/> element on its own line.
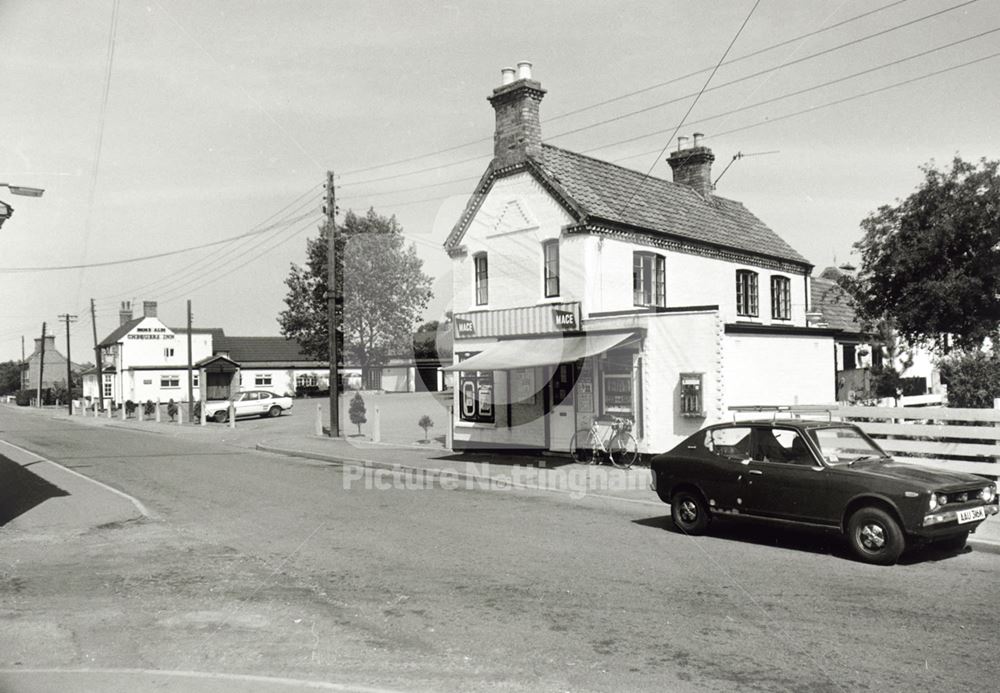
<point x="524" y="70"/>
<point x="506" y="75"/>
<point x="518" y="134"/>
<point x="697" y="139"/>
<point x="680" y="142"/>
<point x="693" y="167"/>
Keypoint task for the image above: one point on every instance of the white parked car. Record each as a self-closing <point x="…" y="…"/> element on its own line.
<point x="249" y="403"/>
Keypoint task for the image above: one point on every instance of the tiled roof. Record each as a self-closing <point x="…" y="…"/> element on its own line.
<point x="216" y="332"/>
<point x="833" y="302"/>
<point x="120" y="332"/>
<point x="624" y="196"/>
<point x="245" y="350"/>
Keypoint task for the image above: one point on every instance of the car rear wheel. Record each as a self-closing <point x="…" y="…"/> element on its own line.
<point x="274" y="411"/>
<point x="221" y="416"/>
<point x="689" y="513"/>
<point x="875" y="537"/>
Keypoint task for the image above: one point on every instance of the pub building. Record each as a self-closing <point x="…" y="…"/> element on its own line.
<point x="582" y="288"/>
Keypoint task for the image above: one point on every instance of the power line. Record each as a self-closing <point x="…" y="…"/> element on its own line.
<point x="690" y="108"/>
<point x="620" y="97"/>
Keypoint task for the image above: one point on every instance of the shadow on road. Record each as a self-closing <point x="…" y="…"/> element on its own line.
<point x="797" y="539"/>
<point x="20" y="490"/>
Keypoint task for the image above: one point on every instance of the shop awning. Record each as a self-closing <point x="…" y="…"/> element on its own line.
<point x="527" y="353"/>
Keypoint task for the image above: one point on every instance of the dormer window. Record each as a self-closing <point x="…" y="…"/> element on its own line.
<point x="649" y="286"/>
<point x="746" y="294"/>
<point x="550" y="253"/>
<point x="482" y="279"/>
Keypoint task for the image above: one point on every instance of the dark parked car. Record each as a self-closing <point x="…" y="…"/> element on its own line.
<point x="825" y="475"/>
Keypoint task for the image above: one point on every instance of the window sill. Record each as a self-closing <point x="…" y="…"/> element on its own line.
<point x="474" y="424"/>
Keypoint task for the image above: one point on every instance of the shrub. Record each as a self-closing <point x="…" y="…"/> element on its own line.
<point x="149" y="408"/>
<point x="197" y="411"/>
<point x="357" y="411"/>
<point x="23" y="398"/>
<point x="425" y="423"/>
<point x="172" y="409"/>
<point x="130" y="407"/>
<point x="973" y="379"/>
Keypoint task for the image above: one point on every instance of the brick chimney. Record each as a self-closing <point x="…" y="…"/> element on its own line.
<point x="149" y="309"/>
<point x="693" y="166"/>
<point x="518" y="132"/>
<point x="50" y="344"/>
<point x="125" y="313"/>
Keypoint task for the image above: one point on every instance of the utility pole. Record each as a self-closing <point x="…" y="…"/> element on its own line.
<point x="97" y="358"/>
<point x="330" y="208"/>
<point x="190" y="370"/>
<point x="41" y="366"/>
<point x="69" y="368"/>
<point x="24" y="365"/>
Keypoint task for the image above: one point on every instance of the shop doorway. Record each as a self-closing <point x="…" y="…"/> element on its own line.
<point x="562" y="411"/>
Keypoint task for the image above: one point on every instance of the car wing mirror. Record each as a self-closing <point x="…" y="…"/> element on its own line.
<point x="745" y="462"/>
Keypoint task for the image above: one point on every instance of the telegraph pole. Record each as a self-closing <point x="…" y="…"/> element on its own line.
<point x="190" y="370"/>
<point x="69" y="368"/>
<point x="41" y="366"/>
<point x="330" y="208"/>
<point x="24" y="374"/>
<point x="97" y="357"/>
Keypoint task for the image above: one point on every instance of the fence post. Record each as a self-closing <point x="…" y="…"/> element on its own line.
<point x="232" y="415"/>
<point x="203" y="416"/>
<point x="180" y="412"/>
<point x="318" y="427"/>
<point x="376" y="425"/>
<point x="157" y="410"/>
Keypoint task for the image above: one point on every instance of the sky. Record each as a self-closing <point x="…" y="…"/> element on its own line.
<point x="197" y="135"/>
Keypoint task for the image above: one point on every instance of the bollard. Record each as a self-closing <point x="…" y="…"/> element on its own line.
<point x="376" y="426"/>
<point x="232" y="415"/>
<point x="139" y="412"/>
<point x="450" y="431"/>
<point x="180" y="414"/>
<point x="203" y="417"/>
<point x="157" y="410"/>
<point x="124" y="412"/>
<point x="110" y="410"/>
<point x="319" y="420"/>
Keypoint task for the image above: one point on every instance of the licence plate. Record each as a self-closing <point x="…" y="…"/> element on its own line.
<point x="970" y="515"/>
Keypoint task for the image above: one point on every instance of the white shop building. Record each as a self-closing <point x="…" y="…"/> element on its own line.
<point x="582" y="288"/>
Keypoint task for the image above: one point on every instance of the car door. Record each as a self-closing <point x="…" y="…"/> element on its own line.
<point x="783" y="479"/>
<point x="726" y="449"/>
<point x="247" y="404"/>
<point x="265" y="402"/>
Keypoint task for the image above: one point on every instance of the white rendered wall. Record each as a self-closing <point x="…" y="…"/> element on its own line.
<point x="778" y="370"/>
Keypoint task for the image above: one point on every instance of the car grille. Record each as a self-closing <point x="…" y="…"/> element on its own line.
<point x="957" y="497"/>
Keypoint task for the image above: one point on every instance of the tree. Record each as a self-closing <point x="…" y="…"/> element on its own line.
<point x="931" y="263"/>
<point x="382" y="283"/>
<point x="973" y="379"/>
<point x="357" y="411"/>
<point x="425" y="423"/>
<point x="10" y="377"/>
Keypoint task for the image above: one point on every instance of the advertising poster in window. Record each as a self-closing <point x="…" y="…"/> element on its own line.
<point x="585" y="395"/>
<point x="523" y="385"/>
<point x="618" y="393"/>
<point x="486" y="400"/>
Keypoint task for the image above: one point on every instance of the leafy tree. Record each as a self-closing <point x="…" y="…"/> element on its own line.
<point x="425" y="423"/>
<point x="357" y="411"/>
<point x="931" y="263"/>
<point x="383" y="287"/>
<point x="973" y="378"/>
<point x="10" y="377"/>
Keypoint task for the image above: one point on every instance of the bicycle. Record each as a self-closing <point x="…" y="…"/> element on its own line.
<point x="612" y="439"/>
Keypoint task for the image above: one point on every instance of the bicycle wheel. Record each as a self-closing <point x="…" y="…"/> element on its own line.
<point x="583" y="446"/>
<point x="623" y="450"/>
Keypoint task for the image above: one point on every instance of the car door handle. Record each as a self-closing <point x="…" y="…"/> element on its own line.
<point x="757" y="472"/>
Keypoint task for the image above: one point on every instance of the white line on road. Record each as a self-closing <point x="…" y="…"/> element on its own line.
<point x="132" y="499"/>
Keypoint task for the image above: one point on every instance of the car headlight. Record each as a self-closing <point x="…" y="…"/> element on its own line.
<point x="988" y="494"/>
<point x="933" y="505"/>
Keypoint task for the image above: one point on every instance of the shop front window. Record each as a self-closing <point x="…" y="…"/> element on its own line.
<point x="476" y="396"/>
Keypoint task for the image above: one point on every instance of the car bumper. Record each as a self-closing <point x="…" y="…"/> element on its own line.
<point x="944" y="522"/>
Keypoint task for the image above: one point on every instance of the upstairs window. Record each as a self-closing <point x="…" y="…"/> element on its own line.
<point x="781" y="298"/>
<point x="550" y="252"/>
<point x="482" y="279"/>
<point x="649" y="286"/>
<point x="746" y="293"/>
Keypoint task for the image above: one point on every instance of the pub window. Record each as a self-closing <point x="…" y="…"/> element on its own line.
<point x="649" y="286"/>
<point x="107" y="385"/>
<point x="476" y="396"/>
<point x="307" y="380"/>
<point x="482" y="279"/>
<point x="550" y="251"/>
<point x="746" y="293"/>
<point x="781" y="298"/>
<point x="170" y="381"/>
<point x="168" y="352"/>
<point x="262" y="379"/>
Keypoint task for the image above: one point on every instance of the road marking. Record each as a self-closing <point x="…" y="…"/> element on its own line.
<point x="304" y="683"/>
<point x="132" y="499"/>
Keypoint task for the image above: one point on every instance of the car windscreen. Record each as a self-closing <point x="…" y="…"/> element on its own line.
<point x="844" y="444"/>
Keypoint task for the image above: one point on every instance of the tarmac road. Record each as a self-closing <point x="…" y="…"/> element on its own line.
<point x="262" y="565"/>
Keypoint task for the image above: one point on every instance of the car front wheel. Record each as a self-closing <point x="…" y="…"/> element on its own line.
<point x="875" y="537"/>
<point x="689" y="513"/>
